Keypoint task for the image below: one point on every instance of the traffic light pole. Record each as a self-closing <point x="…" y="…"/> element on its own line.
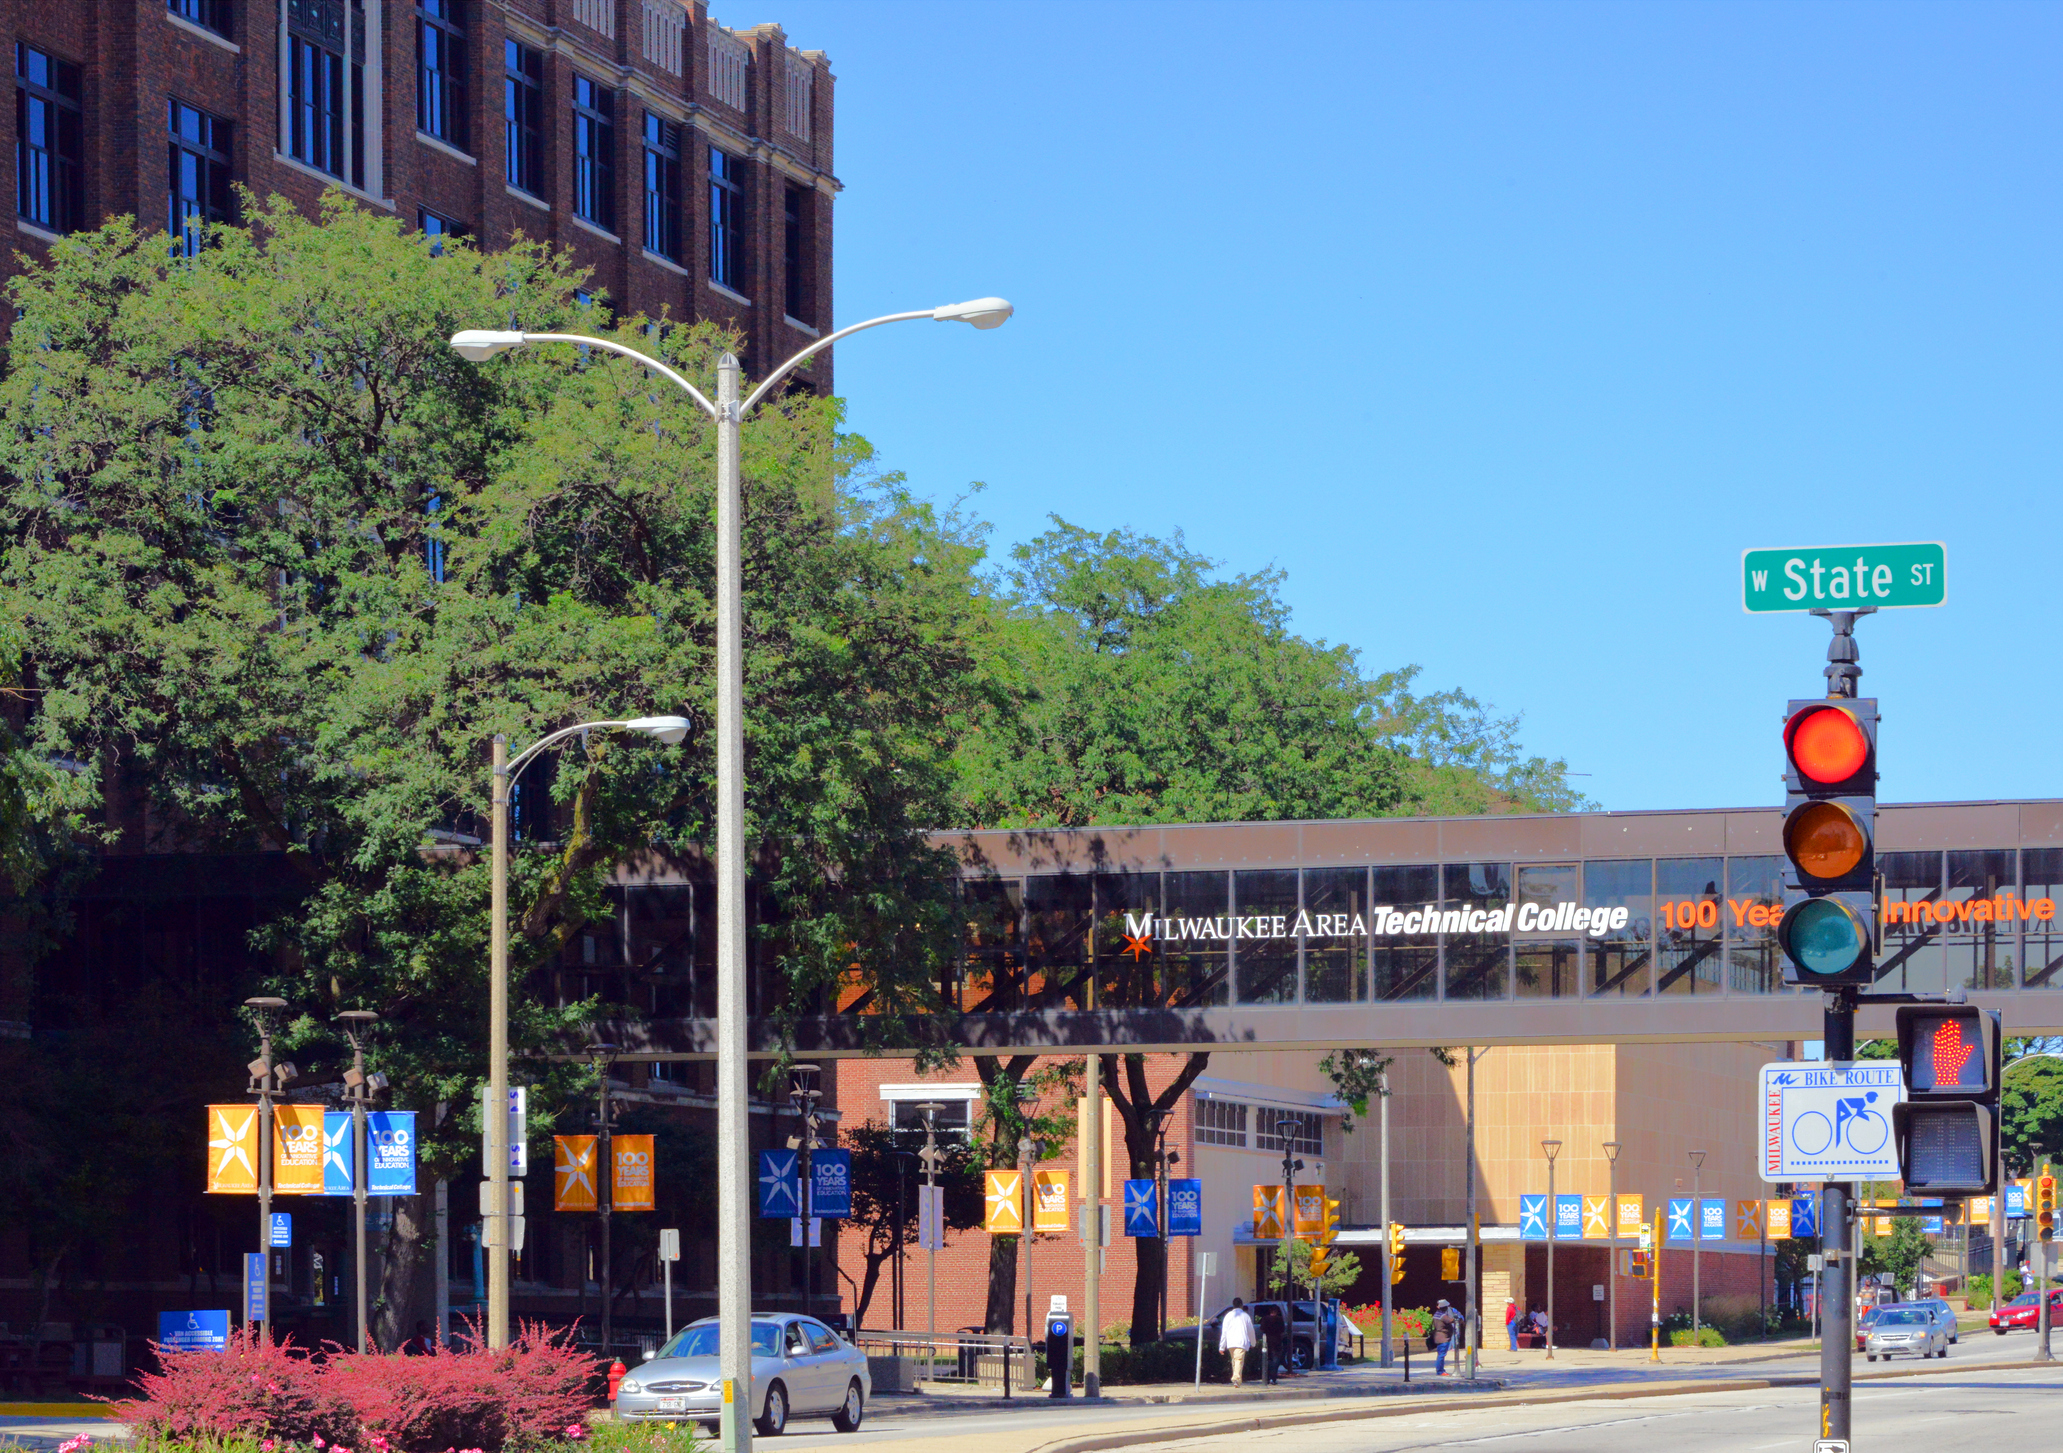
<point x="1837" y="1279"/>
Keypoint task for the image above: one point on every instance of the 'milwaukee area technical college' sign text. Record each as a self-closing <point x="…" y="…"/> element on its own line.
<point x="1383" y="921"/>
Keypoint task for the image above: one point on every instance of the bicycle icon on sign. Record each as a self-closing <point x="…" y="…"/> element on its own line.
<point x="1855" y="1125"/>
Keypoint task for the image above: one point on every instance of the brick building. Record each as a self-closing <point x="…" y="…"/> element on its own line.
<point x="687" y="164"/>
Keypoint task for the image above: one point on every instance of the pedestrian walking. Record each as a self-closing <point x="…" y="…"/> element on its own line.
<point x="1236" y="1339"/>
<point x="1445" y="1326"/>
<point x="1511" y="1322"/>
<point x="1274" y="1341"/>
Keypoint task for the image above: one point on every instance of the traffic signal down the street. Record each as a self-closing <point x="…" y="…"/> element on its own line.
<point x="1830" y="813"/>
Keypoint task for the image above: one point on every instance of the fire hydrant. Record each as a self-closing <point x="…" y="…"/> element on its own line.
<point x="617" y="1372"/>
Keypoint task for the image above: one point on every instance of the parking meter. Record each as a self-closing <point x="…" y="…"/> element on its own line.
<point x="1060" y="1351"/>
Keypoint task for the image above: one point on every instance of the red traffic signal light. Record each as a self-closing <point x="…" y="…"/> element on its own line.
<point x="1826" y="744"/>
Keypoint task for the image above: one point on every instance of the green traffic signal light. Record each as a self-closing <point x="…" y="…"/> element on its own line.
<point x="1824" y="936"/>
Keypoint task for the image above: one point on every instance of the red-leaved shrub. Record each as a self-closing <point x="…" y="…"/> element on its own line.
<point x="527" y="1394"/>
<point x="255" y="1386"/>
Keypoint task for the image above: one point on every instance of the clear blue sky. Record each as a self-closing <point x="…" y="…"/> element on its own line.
<point x="1503" y="329"/>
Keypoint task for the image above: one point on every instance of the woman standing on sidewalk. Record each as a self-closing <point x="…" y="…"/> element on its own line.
<point x="1445" y="1324"/>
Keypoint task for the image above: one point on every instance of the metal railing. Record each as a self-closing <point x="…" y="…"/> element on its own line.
<point x="968" y="1358"/>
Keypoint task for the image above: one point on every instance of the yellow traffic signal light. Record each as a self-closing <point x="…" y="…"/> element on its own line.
<point x="1328" y="1220"/>
<point x="1321" y="1260"/>
<point x="1450" y="1263"/>
<point x="1396" y="1251"/>
<point x="2045" y="1207"/>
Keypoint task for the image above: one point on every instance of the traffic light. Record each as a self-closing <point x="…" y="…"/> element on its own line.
<point x="2045" y="1207"/>
<point x="1396" y="1251"/>
<point x="1450" y="1263"/>
<point x="1950" y="1056"/>
<point x="1328" y="1228"/>
<point x="1830" y="853"/>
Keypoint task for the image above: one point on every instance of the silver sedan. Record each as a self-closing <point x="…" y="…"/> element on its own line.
<point x="1905" y="1332"/>
<point x="800" y="1368"/>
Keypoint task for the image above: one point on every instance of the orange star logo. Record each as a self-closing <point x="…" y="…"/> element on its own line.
<point x="1137" y="945"/>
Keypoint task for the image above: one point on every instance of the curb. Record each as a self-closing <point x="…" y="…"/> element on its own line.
<point x="77" y="1412"/>
<point x="910" y="1402"/>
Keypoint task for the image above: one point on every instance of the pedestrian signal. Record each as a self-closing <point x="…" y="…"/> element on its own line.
<point x="1639" y="1264"/>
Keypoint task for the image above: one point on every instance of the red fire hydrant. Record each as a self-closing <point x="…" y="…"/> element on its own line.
<point x="617" y="1372"/>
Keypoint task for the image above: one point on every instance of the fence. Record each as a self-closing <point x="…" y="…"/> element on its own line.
<point x="963" y="1359"/>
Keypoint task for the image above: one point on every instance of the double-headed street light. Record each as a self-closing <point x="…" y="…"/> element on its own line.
<point x="670" y="730"/>
<point x="733" y="1137"/>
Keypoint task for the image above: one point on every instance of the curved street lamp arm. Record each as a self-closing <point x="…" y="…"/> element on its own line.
<point x="819" y="346"/>
<point x="631" y="353"/>
<point x="516" y="763"/>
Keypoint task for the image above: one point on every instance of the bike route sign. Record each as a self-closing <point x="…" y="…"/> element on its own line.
<point x="1829" y="1121"/>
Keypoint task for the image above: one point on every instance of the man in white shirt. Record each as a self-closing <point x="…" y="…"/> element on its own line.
<point x="1236" y="1338"/>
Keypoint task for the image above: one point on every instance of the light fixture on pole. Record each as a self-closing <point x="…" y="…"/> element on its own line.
<point x="605" y="1184"/>
<point x="804" y="1095"/>
<point x="1552" y="1148"/>
<point x="929" y="1110"/>
<point x="669" y="730"/>
<point x="1612" y="1260"/>
<point x="1697" y="1235"/>
<point x="267" y="1080"/>
<point x="356" y="1090"/>
<point x="733" y="1138"/>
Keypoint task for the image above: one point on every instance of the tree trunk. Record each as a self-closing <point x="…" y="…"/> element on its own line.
<point x="868" y="1281"/>
<point x="406" y="1291"/>
<point x="1140" y="1109"/>
<point x="1002" y="1308"/>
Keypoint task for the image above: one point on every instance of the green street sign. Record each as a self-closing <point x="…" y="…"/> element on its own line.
<point x="1844" y="577"/>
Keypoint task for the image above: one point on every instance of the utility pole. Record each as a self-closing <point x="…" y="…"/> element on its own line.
<point x="1093" y="1151"/>
<point x="267" y="1081"/>
<point x="356" y="1090"/>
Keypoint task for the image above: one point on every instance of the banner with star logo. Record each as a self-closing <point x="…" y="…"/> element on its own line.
<point x="1003" y="1210"/>
<point x="233" y="1150"/>
<point x="573" y="1173"/>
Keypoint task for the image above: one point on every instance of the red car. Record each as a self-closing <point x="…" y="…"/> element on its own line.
<point x="2022" y="1312"/>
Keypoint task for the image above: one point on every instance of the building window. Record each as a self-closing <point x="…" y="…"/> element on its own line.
<point x="438" y="228"/>
<point x="326" y="87"/>
<point x="209" y="14"/>
<point x="440" y="54"/>
<point x="797" y="254"/>
<point x="594" y="148"/>
<point x="954" y="1117"/>
<point x="726" y="176"/>
<point x="200" y="175"/>
<point x="1221" y="1122"/>
<point x="523" y="108"/>
<point x="662" y="187"/>
<point x="49" y="140"/>
<point x="1307" y="1132"/>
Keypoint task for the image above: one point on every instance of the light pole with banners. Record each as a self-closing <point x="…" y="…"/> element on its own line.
<point x="605" y="1184"/>
<point x="804" y="1096"/>
<point x="357" y="1090"/>
<point x="1612" y="1260"/>
<point x="929" y="1110"/>
<point x="670" y="730"/>
<point x="268" y="1081"/>
<point x="1551" y="1148"/>
<point x="1286" y="1128"/>
<point x="733" y="1121"/>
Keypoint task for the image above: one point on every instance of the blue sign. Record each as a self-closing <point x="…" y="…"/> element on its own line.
<point x="1568" y="1217"/>
<point x="2016" y="1201"/>
<point x="1679" y="1219"/>
<point x="1712" y="1221"/>
<point x="1532" y="1218"/>
<point x="390" y="1138"/>
<point x="1142" y="1208"/>
<point x="1932" y="1225"/>
<point x="194" y="1331"/>
<point x="282" y="1229"/>
<point x="338" y="1153"/>
<point x="831" y="1195"/>
<point x="780" y="1184"/>
<point x="1805" y="1216"/>
<point x="257" y="1286"/>
<point x="1185" y="1207"/>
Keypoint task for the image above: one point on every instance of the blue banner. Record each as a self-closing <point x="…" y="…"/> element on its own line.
<point x="338" y="1152"/>
<point x="390" y="1136"/>
<point x="282" y="1230"/>
<point x="257" y="1286"/>
<point x="1712" y="1221"/>
<point x="1805" y="1216"/>
<point x="2016" y="1201"/>
<point x="831" y="1195"/>
<point x="1679" y="1218"/>
<point x="1142" y="1208"/>
<point x="780" y="1185"/>
<point x="1568" y="1217"/>
<point x="194" y="1331"/>
<point x="1532" y="1218"/>
<point x="1185" y="1207"/>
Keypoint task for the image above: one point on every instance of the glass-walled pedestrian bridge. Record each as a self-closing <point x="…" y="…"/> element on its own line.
<point x="1587" y="928"/>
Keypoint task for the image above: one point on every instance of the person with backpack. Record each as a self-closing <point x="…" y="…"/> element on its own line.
<point x="1445" y="1326"/>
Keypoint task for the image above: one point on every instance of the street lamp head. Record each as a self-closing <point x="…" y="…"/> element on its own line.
<point x="356" y="1017"/>
<point x="981" y="312"/>
<point x="1612" y="1151"/>
<point x="672" y="730"/>
<point x="480" y="344"/>
<point x="1697" y="1158"/>
<point x="1553" y="1148"/>
<point x="265" y="1005"/>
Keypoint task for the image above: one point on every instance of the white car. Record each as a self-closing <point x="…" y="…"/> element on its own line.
<point x="1905" y="1331"/>
<point x="800" y="1368"/>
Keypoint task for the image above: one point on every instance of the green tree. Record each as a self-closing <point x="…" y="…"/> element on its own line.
<point x="1289" y="1272"/>
<point x="1900" y="1253"/>
<point x="886" y="1178"/>
<point x="2031" y="1114"/>
<point x="282" y="563"/>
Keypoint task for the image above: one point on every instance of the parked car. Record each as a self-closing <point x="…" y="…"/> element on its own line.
<point x="1903" y="1330"/>
<point x="800" y="1368"/>
<point x="1301" y="1328"/>
<point x="2025" y="1311"/>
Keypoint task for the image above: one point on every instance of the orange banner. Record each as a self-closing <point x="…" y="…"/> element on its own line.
<point x="1310" y="1210"/>
<point x="1779" y="1220"/>
<point x="297" y="1150"/>
<point x="1631" y="1214"/>
<point x="1597" y="1216"/>
<point x="233" y="1150"/>
<point x="573" y="1173"/>
<point x="1049" y="1200"/>
<point x="1270" y="1211"/>
<point x="1003" y="1210"/>
<point x="630" y="1182"/>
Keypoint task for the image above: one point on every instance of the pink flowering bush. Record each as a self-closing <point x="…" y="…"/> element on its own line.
<point x="534" y="1392"/>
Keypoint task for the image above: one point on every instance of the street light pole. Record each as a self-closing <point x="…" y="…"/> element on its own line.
<point x="733" y="1126"/>
<point x="605" y="1189"/>
<point x="1389" y="1355"/>
<point x="1697" y="1235"/>
<point x="1552" y="1148"/>
<point x="803" y="1094"/>
<point x="929" y="1110"/>
<point x="267" y="1080"/>
<point x="1612" y="1261"/>
<point x="361" y="1168"/>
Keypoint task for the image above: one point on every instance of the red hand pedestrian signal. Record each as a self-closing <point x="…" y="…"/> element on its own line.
<point x="1951" y="1053"/>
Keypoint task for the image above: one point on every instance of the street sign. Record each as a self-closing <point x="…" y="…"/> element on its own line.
<point x="1844" y="577"/>
<point x="1185" y="1207"/>
<point x="257" y="1286"/>
<point x="669" y="1245"/>
<point x="1828" y="1122"/>
<point x="780" y="1185"/>
<point x="1532" y="1218"/>
<point x="281" y="1230"/>
<point x="519" y="1120"/>
<point x="1142" y="1208"/>
<point x="194" y="1331"/>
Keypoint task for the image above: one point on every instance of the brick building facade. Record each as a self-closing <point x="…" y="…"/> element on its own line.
<point x="686" y="164"/>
